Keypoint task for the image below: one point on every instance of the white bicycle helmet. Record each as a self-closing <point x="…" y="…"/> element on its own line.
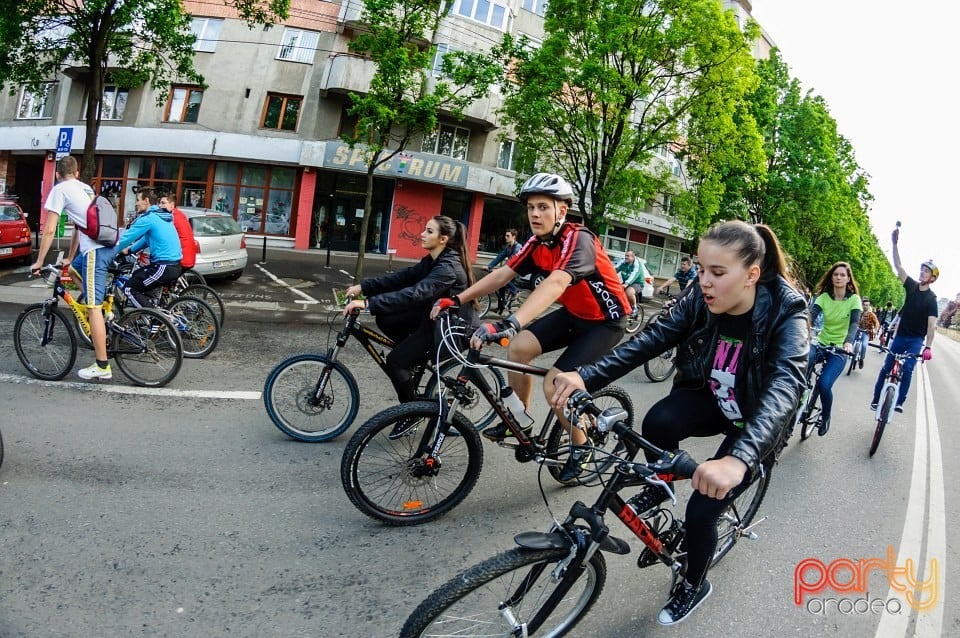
<point x="932" y="266"/>
<point x="548" y="184"/>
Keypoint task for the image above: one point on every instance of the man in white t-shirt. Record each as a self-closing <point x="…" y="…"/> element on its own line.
<point x="73" y="197"/>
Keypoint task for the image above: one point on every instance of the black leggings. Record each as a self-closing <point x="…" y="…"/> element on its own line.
<point x="412" y="352"/>
<point x="682" y="414"/>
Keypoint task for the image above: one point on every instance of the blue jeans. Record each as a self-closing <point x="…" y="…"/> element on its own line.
<point x="900" y="344"/>
<point x="864" y="340"/>
<point x="832" y="370"/>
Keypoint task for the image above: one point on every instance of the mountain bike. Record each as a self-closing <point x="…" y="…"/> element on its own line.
<point x="859" y="352"/>
<point x="889" y="392"/>
<point x="810" y="413"/>
<point x="425" y="473"/>
<point x="143" y="342"/>
<point x="547" y="584"/>
<point x="314" y="397"/>
<point x="662" y="366"/>
<point x="190" y="283"/>
<point x="512" y="299"/>
<point x="195" y="320"/>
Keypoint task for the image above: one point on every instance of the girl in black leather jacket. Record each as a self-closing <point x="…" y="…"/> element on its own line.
<point x="401" y="301"/>
<point x="741" y="342"/>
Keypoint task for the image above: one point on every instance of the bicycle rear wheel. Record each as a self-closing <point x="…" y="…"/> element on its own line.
<point x="886" y="409"/>
<point x="311" y="398"/>
<point x="146" y="347"/>
<point x="635" y="319"/>
<point x="197" y="324"/>
<point x="517" y="585"/>
<point x="662" y="366"/>
<point x="392" y="480"/>
<point x="485" y="303"/>
<point x="478" y="411"/>
<point x="192" y="277"/>
<point x="607" y="447"/>
<point x="810" y="421"/>
<point x="209" y="295"/>
<point x="45" y="343"/>
<point x="740" y="513"/>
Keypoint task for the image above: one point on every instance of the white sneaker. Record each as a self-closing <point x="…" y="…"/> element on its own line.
<point x="95" y="372"/>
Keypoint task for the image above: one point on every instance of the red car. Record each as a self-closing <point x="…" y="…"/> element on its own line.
<point x="14" y="232"/>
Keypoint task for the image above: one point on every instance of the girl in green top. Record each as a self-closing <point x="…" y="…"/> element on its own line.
<point x="839" y="303"/>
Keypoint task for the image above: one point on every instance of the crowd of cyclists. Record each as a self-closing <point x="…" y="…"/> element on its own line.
<point x="160" y="228"/>
<point x="742" y="331"/>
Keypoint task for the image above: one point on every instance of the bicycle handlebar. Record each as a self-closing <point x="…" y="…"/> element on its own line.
<point x="898" y="355"/>
<point x="832" y="348"/>
<point x="678" y="462"/>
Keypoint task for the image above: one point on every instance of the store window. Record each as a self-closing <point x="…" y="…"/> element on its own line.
<point x="298" y="45"/>
<point x="281" y="112"/>
<point x="37" y="105"/>
<point x="207" y="32"/>
<point x="183" y="104"/>
<point x="452" y="141"/>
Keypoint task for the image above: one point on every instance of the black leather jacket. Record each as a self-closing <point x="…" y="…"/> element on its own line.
<point x="418" y="286"/>
<point x="776" y="363"/>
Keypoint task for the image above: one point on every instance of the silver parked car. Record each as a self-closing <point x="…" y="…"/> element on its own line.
<point x="221" y="244"/>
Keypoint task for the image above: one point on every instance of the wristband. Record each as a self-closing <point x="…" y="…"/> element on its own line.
<point x="456" y="299"/>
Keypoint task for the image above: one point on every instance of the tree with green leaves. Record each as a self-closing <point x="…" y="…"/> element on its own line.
<point x="613" y="82"/>
<point x="135" y="42"/>
<point x="404" y="101"/>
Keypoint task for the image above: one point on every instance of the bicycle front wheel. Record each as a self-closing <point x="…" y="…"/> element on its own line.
<point x="886" y="409"/>
<point x="607" y="447"/>
<point x="208" y="294"/>
<point x="500" y="597"/>
<point x="388" y="477"/>
<point x="192" y="277"/>
<point x="45" y="343"/>
<point x="197" y="324"/>
<point x="146" y="347"/>
<point x="485" y="303"/>
<point x="740" y="513"/>
<point x="311" y="398"/>
<point x="475" y="407"/>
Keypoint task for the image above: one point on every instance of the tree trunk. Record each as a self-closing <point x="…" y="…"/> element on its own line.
<point x="365" y="225"/>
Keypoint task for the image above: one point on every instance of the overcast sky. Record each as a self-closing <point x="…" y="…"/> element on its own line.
<point x="887" y="72"/>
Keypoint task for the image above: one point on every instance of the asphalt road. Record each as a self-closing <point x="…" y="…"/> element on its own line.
<point x="185" y="512"/>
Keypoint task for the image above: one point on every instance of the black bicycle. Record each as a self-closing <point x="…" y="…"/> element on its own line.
<point x="547" y="584"/>
<point x="889" y="392"/>
<point x="512" y="298"/>
<point x="314" y="397"/>
<point x="859" y="352"/>
<point x="661" y="366"/>
<point x="425" y="473"/>
<point x="810" y="412"/>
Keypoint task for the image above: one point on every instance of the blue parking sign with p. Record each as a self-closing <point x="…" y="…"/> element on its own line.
<point x="64" y="140"/>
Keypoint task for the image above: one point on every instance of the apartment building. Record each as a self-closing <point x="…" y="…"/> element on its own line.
<point x="262" y="140"/>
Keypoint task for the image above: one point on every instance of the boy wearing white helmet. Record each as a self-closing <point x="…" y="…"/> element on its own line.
<point x="918" y="319"/>
<point x="576" y="273"/>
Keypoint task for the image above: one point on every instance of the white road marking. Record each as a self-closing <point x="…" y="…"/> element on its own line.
<point x="926" y="455"/>
<point x="248" y="395"/>
<point x="308" y="299"/>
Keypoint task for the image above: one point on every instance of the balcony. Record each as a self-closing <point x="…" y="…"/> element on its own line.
<point x="345" y="73"/>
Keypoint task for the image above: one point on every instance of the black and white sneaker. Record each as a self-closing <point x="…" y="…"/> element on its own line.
<point x="683" y="599"/>
<point x="579" y="460"/>
<point x="898" y="408"/>
<point x="873" y="406"/>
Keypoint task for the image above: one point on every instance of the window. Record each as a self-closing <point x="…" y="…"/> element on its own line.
<point x="281" y="112"/>
<point x="37" y="105"/>
<point x="490" y="12"/>
<point x="442" y="51"/>
<point x="207" y="31"/>
<point x="184" y="104"/>
<point x="298" y="45"/>
<point x="112" y="105"/>
<point x="505" y="158"/>
<point x="447" y="140"/>
<point x="535" y="6"/>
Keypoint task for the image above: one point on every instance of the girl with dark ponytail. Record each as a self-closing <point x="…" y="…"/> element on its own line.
<point x="741" y="343"/>
<point x="401" y="301"/>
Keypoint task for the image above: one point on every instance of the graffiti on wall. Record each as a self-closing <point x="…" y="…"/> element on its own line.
<point x="411" y="224"/>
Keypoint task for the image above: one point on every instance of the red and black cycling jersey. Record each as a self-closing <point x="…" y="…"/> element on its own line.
<point x="596" y="293"/>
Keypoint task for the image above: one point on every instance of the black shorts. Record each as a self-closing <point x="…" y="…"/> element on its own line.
<point x="585" y="341"/>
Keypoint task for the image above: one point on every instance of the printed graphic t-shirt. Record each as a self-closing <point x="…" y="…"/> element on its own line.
<point x="727" y="363"/>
